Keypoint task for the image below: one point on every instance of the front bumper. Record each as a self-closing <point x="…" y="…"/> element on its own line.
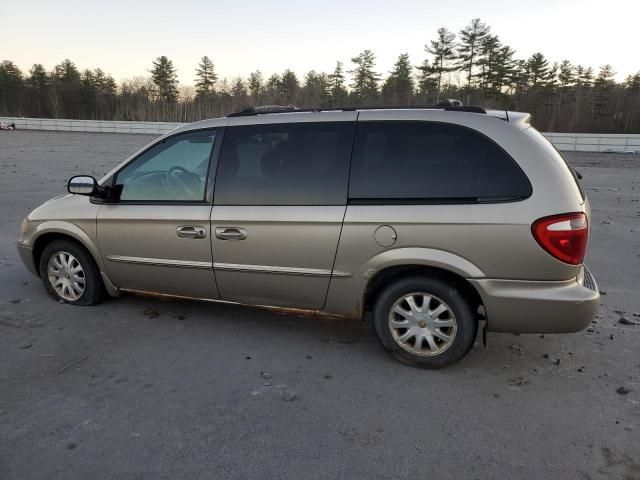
<point x="539" y="307"/>
<point x="26" y="255"/>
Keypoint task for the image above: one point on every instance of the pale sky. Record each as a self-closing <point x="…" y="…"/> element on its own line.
<point x="123" y="37"/>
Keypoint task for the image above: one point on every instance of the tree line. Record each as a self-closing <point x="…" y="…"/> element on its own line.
<point x="474" y="66"/>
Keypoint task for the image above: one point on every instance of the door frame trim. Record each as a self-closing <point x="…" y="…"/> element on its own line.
<point x="308" y="272"/>
<point x="159" y="262"/>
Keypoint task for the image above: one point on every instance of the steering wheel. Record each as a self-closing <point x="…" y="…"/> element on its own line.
<point x="181" y="182"/>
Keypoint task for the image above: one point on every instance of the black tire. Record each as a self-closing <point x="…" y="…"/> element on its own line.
<point x="465" y="319"/>
<point x="94" y="291"/>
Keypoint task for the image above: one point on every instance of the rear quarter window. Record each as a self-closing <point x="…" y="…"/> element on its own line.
<point x="429" y="161"/>
<point x="556" y="156"/>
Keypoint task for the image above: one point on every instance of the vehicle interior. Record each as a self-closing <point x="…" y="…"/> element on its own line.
<point x="172" y="170"/>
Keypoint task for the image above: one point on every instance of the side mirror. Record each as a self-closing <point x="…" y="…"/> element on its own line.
<point x="82" y="185"/>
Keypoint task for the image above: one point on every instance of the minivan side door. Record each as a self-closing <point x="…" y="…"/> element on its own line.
<point x="279" y="202"/>
<point x="156" y="237"/>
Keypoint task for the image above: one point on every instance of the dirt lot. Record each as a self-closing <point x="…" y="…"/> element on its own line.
<point x="195" y="390"/>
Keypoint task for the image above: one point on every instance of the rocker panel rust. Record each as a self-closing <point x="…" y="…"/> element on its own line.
<point x="356" y="314"/>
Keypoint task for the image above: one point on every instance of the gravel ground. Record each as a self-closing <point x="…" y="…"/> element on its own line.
<point x="144" y="388"/>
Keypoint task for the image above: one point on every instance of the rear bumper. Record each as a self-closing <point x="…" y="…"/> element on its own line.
<point x="539" y="307"/>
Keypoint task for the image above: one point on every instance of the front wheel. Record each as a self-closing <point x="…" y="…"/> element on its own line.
<point x="70" y="275"/>
<point x="425" y="322"/>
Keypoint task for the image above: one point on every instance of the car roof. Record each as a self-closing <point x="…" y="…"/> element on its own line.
<point x="284" y="114"/>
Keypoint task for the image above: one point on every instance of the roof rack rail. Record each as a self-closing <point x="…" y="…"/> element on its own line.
<point x="449" y="102"/>
<point x="447" y="105"/>
<point x="448" y="108"/>
<point x="267" y="109"/>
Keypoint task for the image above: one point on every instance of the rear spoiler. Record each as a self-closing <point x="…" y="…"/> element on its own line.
<point x="519" y="119"/>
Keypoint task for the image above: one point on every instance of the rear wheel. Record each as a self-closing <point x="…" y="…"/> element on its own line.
<point x="425" y="322"/>
<point x="70" y="275"/>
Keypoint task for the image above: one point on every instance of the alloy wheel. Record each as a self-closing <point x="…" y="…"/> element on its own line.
<point x="66" y="276"/>
<point x="422" y="324"/>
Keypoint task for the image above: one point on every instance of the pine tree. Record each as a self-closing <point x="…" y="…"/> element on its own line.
<point x="87" y="79"/>
<point x="205" y="77"/>
<point x="88" y="93"/>
<point x="582" y="96"/>
<point x="427" y="81"/>
<point x="471" y="38"/>
<point x="105" y="92"/>
<point x="632" y="82"/>
<point x="289" y="87"/>
<point x="37" y="76"/>
<point x="443" y="50"/>
<point x="256" y="86"/>
<point x="238" y="89"/>
<point x="586" y="78"/>
<point x="337" y="89"/>
<point x="552" y="77"/>
<point x="272" y="89"/>
<point x="632" y="101"/>
<point x="105" y="84"/>
<point x="519" y="78"/>
<point x="165" y="80"/>
<point x="488" y="53"/>
<point x="538" y="70"/>
<point x="9" y="72"/>
<point x="399" y="86"/>
<point x="65" y="96"/>
<point x="365" y="79"/>
<point x="565" y="80"/>
<point x="605" y="77"/>
<point x="38" y="84"/>
<point x="316" y="89"/>
<point x="67" y="72"/>
<point x="501" y="70"/>
<point x="602" y="100"/>
<point x="239" y="95"/>
<point x="566" y="74"/>
<point x="11" y="83"/>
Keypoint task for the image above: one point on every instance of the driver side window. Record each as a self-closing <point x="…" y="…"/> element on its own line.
<point x="174" y="169"/>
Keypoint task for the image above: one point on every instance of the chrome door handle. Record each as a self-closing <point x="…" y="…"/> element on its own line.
<point x="231" y="233"/>
<point x="191" y="231"/>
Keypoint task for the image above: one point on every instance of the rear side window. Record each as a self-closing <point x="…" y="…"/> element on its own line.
<point x="285" y="164"/>
<point x="559" y="158"/>
<point x="429" y="161"/>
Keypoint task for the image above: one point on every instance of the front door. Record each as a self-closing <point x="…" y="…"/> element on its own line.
<point x="279" y="202"/>
<point x="157" y="237"/>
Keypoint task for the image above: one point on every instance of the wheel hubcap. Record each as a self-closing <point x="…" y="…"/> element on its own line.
<point x="66" y="276"/>
<point x="422" y="324"/>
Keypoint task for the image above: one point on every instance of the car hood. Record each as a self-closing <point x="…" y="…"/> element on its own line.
<point x="65" y="207"/>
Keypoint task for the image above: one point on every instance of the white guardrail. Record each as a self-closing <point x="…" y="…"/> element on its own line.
<point x="595" y="142"/>
<point x="98" y="126"/>
<point x="575" y="142"/>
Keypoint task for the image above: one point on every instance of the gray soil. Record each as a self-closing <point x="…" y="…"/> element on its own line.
<point x="145" y="388"/>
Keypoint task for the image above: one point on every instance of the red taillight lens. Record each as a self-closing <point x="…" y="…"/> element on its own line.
<point x="563" y="236"/>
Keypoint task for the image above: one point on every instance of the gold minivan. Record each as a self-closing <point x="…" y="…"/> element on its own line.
<point x="437" y="219"/>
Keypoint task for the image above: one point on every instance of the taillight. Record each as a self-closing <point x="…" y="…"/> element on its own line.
<point x="563" y="236"/>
